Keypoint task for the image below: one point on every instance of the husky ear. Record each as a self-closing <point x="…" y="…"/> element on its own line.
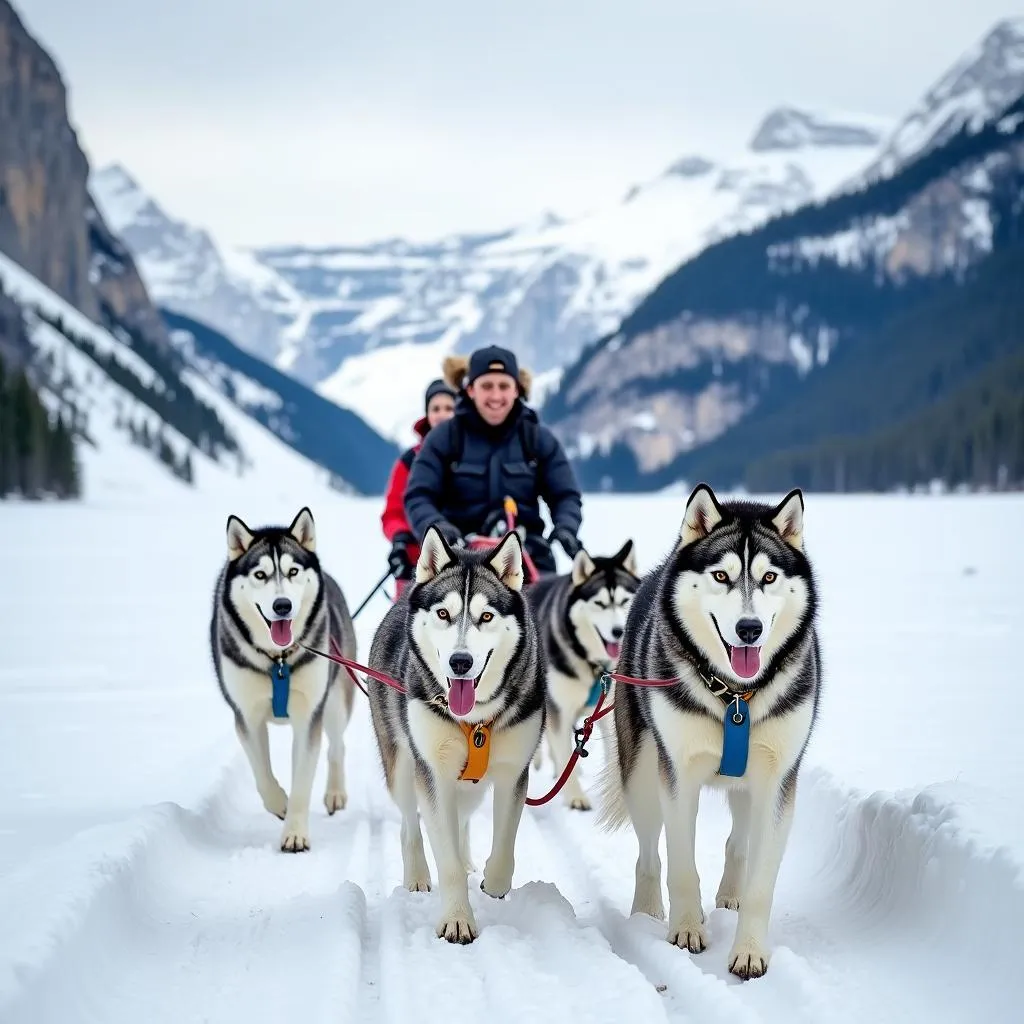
<point x="788" y="519"/>
<point x="626" y="557"/>
<point x="507" y="561"/>
<point x="303" y="531"/>
<point x="239" y="538"/>
<point x="582" y="568"/>
<point x="435" y="555"/>
<point x="702" y="515"/>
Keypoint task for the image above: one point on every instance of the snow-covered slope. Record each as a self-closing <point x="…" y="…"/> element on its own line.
<point x="115" y="411"/>
<point x="988" y="77"/>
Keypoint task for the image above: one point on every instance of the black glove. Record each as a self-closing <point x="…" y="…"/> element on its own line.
<point x="565" y="537"/>
<point x="450" y="534"/>
<point x="495" y="525"/>
<point x="398" y="559"/>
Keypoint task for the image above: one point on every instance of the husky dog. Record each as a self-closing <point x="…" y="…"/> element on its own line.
<point x="580" y="615"/>
<point x="730" y="614"/>
<point x="464" y="644"/>
<point x="271" y="596"/>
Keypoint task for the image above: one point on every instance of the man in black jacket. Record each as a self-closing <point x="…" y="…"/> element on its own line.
<point x="492" y="448"/>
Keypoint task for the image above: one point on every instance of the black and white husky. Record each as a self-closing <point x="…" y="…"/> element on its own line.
<point x="581" y="615"/>
<point x="272" y="596"/>
<point x="731" y="614"/>
<point x="463" y="643"/>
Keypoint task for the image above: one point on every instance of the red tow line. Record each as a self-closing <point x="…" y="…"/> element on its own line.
<point x="583" y="732"/>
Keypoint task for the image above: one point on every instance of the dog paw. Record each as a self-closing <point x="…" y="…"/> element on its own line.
<point x="276" y="801"/>
<point x="495" y="892"/>
<point x="418" y="883"/>
<point x="458" y="927"/>
<point x="335" y="800"/>
<point x="727" y="899"/>
<point x="580" y="803"/>
<point x="295" y="838"/>
<point x="689" y="934"/>
<point x="748" y="959"/>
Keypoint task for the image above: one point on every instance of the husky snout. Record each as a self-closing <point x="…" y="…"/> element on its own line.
<point x="460" y="662"/>
<point x="749" y="630"/>
<point x="282" y="606"/>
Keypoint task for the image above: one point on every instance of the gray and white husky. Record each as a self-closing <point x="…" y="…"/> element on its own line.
<point x="464" y="644"/>
<point x="581" y="615"/>
<point x="272" y="596"/>
<point x="730" y="613"/>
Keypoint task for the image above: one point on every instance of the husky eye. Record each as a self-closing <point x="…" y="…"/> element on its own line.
<point x="442" y="614"/>
<point x="769" y="577"/>
<point x="720" y="576"/>
<point x="260" y="575"/>
<point x="487" y="616"/>
<point x="293" y="572"/>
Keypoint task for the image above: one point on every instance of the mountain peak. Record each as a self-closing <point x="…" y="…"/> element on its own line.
<point x="119" y="196"/>
<point x="689" y="167"/>
<point x="787" y="128"/>
<point x="986" y="79"/>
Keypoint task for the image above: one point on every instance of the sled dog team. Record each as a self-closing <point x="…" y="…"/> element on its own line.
<point x="714" y="654"/>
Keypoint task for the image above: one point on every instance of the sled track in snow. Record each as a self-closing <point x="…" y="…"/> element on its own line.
<point x="884" y="911"/>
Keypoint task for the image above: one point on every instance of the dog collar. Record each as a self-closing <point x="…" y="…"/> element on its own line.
<point x="478" y="746"/>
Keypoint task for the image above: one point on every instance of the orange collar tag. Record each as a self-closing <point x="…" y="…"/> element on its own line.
<point x="478" y="744"/>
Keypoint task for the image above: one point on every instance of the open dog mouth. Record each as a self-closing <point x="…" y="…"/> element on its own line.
<point x="612" y="648"/>
<point x="744" y="661"/>
<point x="462" y="691"/>
<point x="280" y="629"/>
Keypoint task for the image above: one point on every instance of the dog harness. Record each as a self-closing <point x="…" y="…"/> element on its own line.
<point x="478" y="745"/>
<point x="281" y="681"/>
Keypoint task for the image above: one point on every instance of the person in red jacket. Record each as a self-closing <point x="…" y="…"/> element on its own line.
<point x="439" y="402"/>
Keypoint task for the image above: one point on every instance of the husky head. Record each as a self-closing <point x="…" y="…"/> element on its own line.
<point x="742" y="585"/>
<point x="467" y="615"/>
<point x="602" y="591"/>
<point x="273" y="578"/>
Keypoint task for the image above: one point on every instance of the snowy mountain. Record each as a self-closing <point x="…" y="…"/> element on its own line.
<point x="719" y="365"/>
<point x="987" y="78"/>
<point x="350" y="315"/>
<point x="185" y="271"/>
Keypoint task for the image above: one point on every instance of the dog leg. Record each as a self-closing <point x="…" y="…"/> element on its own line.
<point x="414" y="858"/>
<point x="509" y="800"/>
<point x="641" y="795"/>
<point x="685" y="915"/>
<point x="771" y="816"/>
<point x="306" y="736"/>
<point x="735" y="851"/>
<point x="560" y="735"/>
<point x="256" y="744"/>
<point x="335" y="723"/>
<point x="464" y="848"/>
<point x="441" y="817"/>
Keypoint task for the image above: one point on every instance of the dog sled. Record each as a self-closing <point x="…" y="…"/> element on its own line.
<point x="483" y="541"/>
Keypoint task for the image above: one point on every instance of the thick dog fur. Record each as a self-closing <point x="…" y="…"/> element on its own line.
<point x="464" y="619"/>
<point x="738" y="567"/>
<point x="272" y="579"/>
<point x="581" y="615"/>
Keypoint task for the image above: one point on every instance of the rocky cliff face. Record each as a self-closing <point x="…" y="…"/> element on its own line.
<point x="48" y="221"/>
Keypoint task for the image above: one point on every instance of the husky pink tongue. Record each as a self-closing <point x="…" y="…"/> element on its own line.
<point x="281" y="632"/>
<point x="461" y="696"/>
<point x="612" y="649"/>
<point x="746" y="661"/>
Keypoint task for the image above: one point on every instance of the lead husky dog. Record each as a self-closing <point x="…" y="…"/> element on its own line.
<point x="580" y="615"/>
<point x="271" y="597"/>
<point x="463" y="642"/>
<point x="731" y="614"/>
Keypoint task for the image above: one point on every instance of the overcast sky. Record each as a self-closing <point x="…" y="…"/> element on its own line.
<point x="319" y="121"/>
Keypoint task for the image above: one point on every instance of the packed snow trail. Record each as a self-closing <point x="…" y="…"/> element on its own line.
<point x="199" y="917"/>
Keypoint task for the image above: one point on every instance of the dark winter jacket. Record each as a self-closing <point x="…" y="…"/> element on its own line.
<point x="466" y="468"/>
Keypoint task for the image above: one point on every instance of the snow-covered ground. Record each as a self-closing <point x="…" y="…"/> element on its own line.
<point x="140" y="878"/>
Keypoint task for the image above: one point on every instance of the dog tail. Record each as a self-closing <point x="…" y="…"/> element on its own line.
<point x="612" y="813"/>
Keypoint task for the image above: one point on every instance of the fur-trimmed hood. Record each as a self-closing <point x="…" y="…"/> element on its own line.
<point x="455" y="368"/>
